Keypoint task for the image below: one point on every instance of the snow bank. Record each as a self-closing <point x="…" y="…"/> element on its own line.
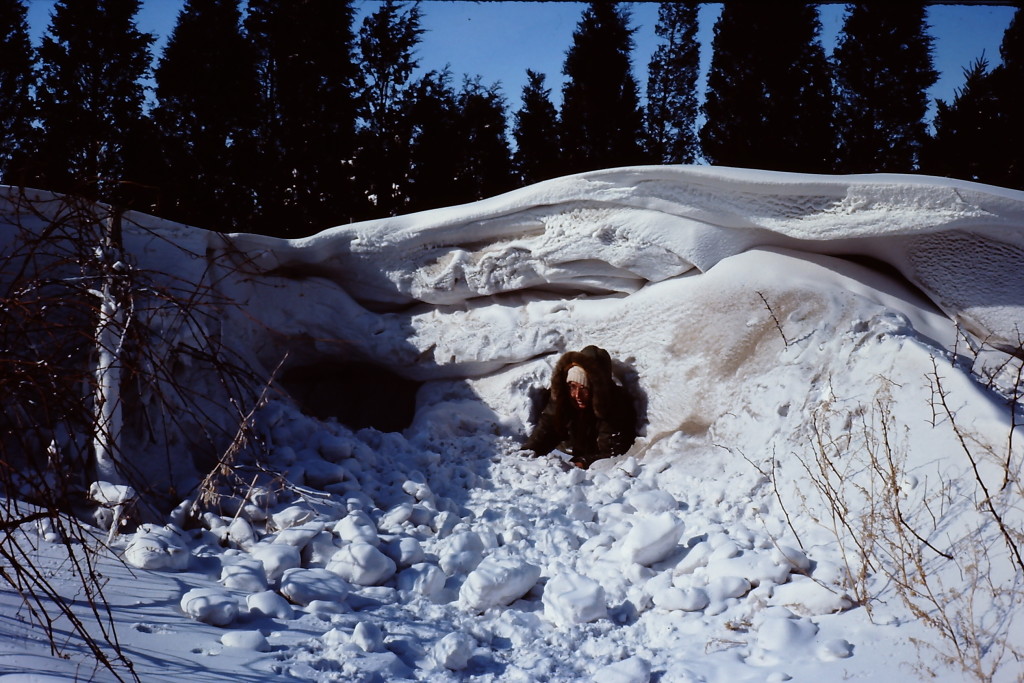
<point x="787" y="337"/>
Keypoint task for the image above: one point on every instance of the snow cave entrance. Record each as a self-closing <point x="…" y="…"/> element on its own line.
<point x="358" y="395"/>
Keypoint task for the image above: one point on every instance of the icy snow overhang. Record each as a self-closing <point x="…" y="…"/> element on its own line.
<point x="610" y="233"/>
<point x="452" y="292"/>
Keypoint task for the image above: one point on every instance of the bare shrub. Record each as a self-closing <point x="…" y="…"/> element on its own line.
<point x="948" y="555"/>
<point x="100" y="363"/>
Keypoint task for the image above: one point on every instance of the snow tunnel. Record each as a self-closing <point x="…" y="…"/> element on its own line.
<point x="358" y="395"/>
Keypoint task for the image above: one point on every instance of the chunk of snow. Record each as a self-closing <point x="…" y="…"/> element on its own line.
<point x="246" y="640"/>
<point x="497" y="582"/>
<point x="357" y="526"/>
<point x="276" y="559"/>
<point x="808" y="597"/>
<point x="292" y="516"/>
<point x="780" y="639"/>
<point x="653" y="502"/>
<point x="795" y="557"/>
<point x="368" y="637"/>
<point x="570" y="598"/>
<point x="695" y="558"/>
<point x="463" y="552"/>
<point x="246" y="575"/>
<point x="268" y="604"/>
<point x="159" y="548"/>
<point x="405" y="551"/>
<point x="691" y="599"/>
<point x="424" y="579"/>
<point x="632" y="670"/>
<point x="396" y="517"/>
<point x="299" y="535"/>
<point x="652" y="539"/>
<point x="105" y="493"/>
<point x="303" y="586"/>
<point x="362" y="564"/>
<point x="241" y="533"/>
<point x="454" y="651"/>
<point x="213" y="606"/>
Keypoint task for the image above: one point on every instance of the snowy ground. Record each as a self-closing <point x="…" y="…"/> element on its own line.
<point x="800" y="505"/>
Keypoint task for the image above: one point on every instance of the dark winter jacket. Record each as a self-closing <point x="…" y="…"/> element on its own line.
<point x="605" y="428"/>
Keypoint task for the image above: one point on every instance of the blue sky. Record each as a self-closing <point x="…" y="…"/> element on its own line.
<point x="501" y="40"/>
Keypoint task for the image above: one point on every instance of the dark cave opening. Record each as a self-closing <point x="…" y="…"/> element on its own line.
<point x="358" y="395"/>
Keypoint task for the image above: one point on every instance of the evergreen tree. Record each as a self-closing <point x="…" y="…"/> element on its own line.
<point x="206" y="102"/>
<point x="307" y="77"/>
<point x="486" y="164"/>
<point x="16" y="80"/>
<point x="883" y="67"/>
<point x="672" y="85"/>
<point x="537" y="155"/>
<point x="387" y="40"/>
<point x="769" y="101"/>
<point x="602" y="125"/>
<point x="90" y="96"/>
<point x="1008" y="129"/>
<point x="963" y="145"/>
<point x="436" y="144"/>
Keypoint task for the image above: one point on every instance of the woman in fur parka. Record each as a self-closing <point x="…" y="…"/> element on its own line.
<point x="587" y="415"/>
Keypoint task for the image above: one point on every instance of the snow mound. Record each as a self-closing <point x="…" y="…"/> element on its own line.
<point x="805" y="352"/>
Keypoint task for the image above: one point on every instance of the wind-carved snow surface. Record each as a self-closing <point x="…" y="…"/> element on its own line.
<point x="781" y="333"/>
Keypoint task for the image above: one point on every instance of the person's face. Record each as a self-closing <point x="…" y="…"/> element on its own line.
<point x="580" y="394"/>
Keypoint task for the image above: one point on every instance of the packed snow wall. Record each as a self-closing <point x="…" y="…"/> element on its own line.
<point x="690" y="276"/>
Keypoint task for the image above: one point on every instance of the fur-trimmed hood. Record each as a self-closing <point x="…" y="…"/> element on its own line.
<point x="598" y="366"/>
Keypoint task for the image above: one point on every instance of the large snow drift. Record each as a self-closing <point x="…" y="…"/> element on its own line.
<point x="482" y="289"/>
<point x="784" y="335"/>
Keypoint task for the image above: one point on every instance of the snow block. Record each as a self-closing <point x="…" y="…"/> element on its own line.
<point x="653" y="502"/>
<point x="368" y="637"/>
<point x="454" y="651"/>
<point x="158" y="548"/>
<point x="464" y="552"/>
<point x="632" y="670"/>
<point x="779" y="639"/>
<point x="247" y="575"/>
<point x="303" y="586"/>
<point x="276" y="558"/>
<point x="210" y="606"/>
<point x="652" y="539"/>
<point x="268" y="604"/>
<point x="570" y="598"/>
<point x="423" y="578"/>
<point x="405" y="551"/>
<point x="497" y="582"/>
<point x="682" y="599"/>
<point x="363" y="564"/>
<point x="292" y="516"/>
<point x="357" y="527"/>
<point x="809" y="598"/>
<point x="246" y="640"/>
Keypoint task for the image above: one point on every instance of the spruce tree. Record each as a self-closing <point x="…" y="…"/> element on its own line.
<point x="486" y="163"/>
<point x="436" y="146"/>
<point x="307" y="77"/>
<point x="963" y="145"/>
<point x="387" y="41"/>
<point x="769" y="101"/>
<point x="1008" y="129"/>
<point x="672" y="85"/>
<point x="90" y="96"/>
<point x="16" y="80"/>
<point x="883" y="68"/>
<point x="601" y="121"/>
<point x="206" y="103"/>
<point x="537" y="155"/>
